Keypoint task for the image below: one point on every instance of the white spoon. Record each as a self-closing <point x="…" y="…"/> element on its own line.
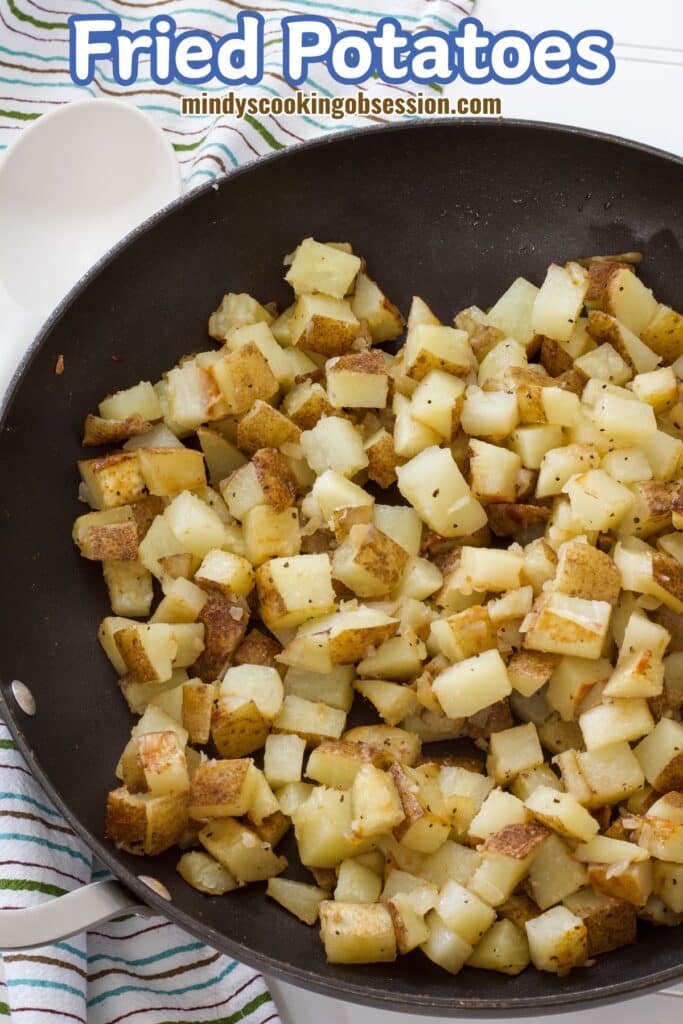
<point x="71" y="186"/>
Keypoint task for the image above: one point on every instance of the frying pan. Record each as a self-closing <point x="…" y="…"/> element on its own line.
<point x="450" y="211"/>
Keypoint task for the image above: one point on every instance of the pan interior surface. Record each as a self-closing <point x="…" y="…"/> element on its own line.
<point x="452" y="212"/>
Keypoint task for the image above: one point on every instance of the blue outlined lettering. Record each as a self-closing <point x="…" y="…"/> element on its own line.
<point x="351" y="56"/>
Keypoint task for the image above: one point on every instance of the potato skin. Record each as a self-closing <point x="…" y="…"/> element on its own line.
<point x="99" y="431"/>
<point x="583" y="571"/>
<point x="510" y="517"/>
<point x="145" y="826"/>
<point x="237" y="732"/>
<point x="225" y="619"/>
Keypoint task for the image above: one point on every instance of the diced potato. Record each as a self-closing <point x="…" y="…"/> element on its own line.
<point x="512" y="751"/>
<point x="661" y="755"/>
<point x="298" y="898"/>
<point x="572" y="681"/>
<point x="139" y="400"/>
<point x="437" y="403"/>
<point x="242" y="376"/>
<point x="610" y="923"/>
<point x="559" y="302"/>
<point x="241" y="851"/>
<point x="222" y="789"/>
<point x="489" y="569"/>
<point x="559" y="624"/>
<point x="533" y="441"/>
<point x="235" y="310"/>
<point x="358" y="380"/>
<point x="269" y="534"/>
<point x="334" y="444"/>
<point x="563" y="813"/>
<point x="409" y="925"/>
<point x="141" y="823"/>
<point x="497" y="811"/>
<point x="558" y="941"/>
<point x="444" y="947"/>
<point x="513" y="311"/>
<point x="472" y="684"/>
<point x="555" y="873"/>
<point x="334" y="687"/>
<point x="317" y="267"/>
<point x="403" y="746"/>
<point x="322" y="825"/>
<point x="357" y="932"/>
<point x="668" y="884"/>
<point x="489" y="414"/>
<point x="624" y="421"/>
<point x="604" y="363"/>
<point x="597" y="500"/>
<point x="369" y="562"/>
<point x="109" y="535"/>
<point x="529" y="671"/>
<point x="664" y="332"/>
<point x="464" y="913"/>
<point x="606" y="328"/>
<point x="147" y="651"/>
<point x="448" y="508"/>
<point x="130" y="587"/>
<point x="424" y="827"/>
<point x="615" y="720"/>
<point x="494" y="472"/>
<point x="429" y="347"/>
<point x="205" y="874"/>
<point x="356" y="883"/>
<point x="283" y="759"/>
<point x="257" y="683"/>
<point x="504" y="948"/>
<point x="221" y="570"/>
<point x="292" y="590"/>
<point x="335" y="763"/>
<point x="323" y="324"/>
<point x="312" y="720"/>
<point x="238" y="727"/>
<point x="606" y="850"/>
<point x="167" y="471"/>
<point x="112" y="480"/>
<point x="630" y="882"/>
<point x="369" y="303"/>
<point x="182" y="602"/>
<point x="629" y="300"/>
<point x="197" y="705"/>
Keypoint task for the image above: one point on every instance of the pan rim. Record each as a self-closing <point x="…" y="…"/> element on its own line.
<point x="358" y="992"/>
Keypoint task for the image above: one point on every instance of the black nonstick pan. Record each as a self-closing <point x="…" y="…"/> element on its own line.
<point x="451" y="211"/>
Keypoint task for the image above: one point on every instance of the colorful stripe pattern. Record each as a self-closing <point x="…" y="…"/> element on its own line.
<point x="34" y="74"/>
<point x="138" y="970"/>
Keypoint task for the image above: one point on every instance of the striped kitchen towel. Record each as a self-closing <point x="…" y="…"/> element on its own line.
<point x="34" y="71"/>
<point x="137" y="970"/>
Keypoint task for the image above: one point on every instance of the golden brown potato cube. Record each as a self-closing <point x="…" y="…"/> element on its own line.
<point x="148" y="651"/>
<point x="107" y="535"/>
<point x="399" y="744"/>
<point x="558" y="941"/>
<point x="599" y="273"/>
<point x="369" y="303"/>
<point x="527" y="385"/>
<point x="228" y="573"/>
<point x="236" y="310"/>
<point x="357" y="933"/>
<point x="335" y="763"/>
<point x="205" y="874"/>
<point x="241" y="850"/>
<point x="270" y="534"/>
<point x="358" y="380"/>
<point x="306" y="403"/>
<point x="167" y="471"/>
<point x="130" y="588"/>
<point x="607" y="329"/>
<point x="425" y="826"/>
<point x="99" y="431"/>
<point x="266" y="480"/>
<point x="112" y="480"/>
<point x="237" y="727"/>
<point x="323" y="324"/>
<point x="429" y="347"/>
<point x="382" y="458"/>
<point x="265" y="427"/>
<point x="528" y="671"/>
<point x="258" y="649"/>
<point x="198" y="698"/>
<point x="559" y="624"/>
<point x="507" y="518"/>
<point x="664" y="334"/>
<point x="292" y="590"/>
<point x="369" y="562"/>
<point x="144" y="824"/>
<point x="162" y="759"/>
<point x="243" y="376"/>
<point x="298" y="898"/>
<point x="631" y="882"/>
<point x="222" y="789"/>
<point x="225" y="618"/>
<point x="610" y="923"/>
<point x="145" y="512"/>
<point x="585" y="572"/>
<point x="465" y="634"/>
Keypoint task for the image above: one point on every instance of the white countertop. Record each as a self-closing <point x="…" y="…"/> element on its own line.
<point x="642" y="102"/>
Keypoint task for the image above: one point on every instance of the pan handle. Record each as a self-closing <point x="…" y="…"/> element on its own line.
<point x="66" y="915"/>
